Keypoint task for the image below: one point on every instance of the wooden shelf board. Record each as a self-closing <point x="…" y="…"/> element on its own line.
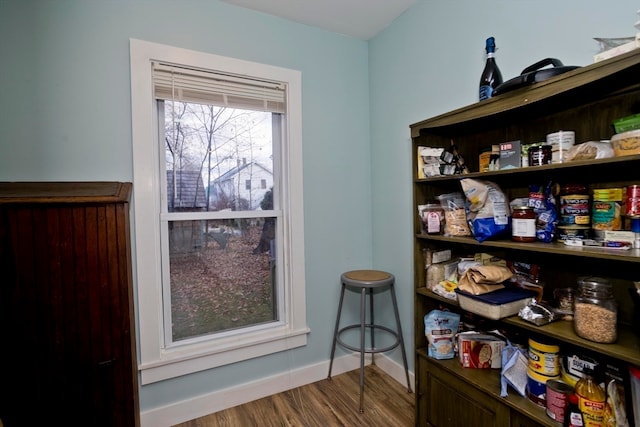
<point x="628" y="255"/>
<point x="626" y="348"/>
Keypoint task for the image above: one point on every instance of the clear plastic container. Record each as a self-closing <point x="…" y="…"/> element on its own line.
<point x="626" y="143"/>
<point x="595" y="310"/>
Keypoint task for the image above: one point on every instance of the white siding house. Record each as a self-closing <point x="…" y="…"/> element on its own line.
<point x="245" y="185"/>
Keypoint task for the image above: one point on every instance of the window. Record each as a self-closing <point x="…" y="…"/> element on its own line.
<point x="220" y="268"/>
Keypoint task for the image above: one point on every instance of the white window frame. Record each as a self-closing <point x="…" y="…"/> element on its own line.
<point x="158" y="361"/>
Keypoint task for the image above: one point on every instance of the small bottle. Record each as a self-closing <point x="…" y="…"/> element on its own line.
<point x="573" y="414"/>
<point x="591" y="400"/>
<point x="491" y="76"/>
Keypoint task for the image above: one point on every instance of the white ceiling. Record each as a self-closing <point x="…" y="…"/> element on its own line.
<point x="361" y="19"/>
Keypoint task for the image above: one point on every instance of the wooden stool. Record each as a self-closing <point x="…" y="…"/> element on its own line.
<point x="368" y="280"/>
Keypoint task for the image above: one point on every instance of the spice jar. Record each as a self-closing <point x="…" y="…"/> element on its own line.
<point x="595" y="310"/>
<point x="523" y="224"/>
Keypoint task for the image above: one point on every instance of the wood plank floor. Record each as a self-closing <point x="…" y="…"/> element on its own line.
<point x="325" y="403"/>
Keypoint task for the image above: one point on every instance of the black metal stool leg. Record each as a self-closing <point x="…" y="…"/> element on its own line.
<point x="372" y="322"/>
<point x="400" y="337"/>
<point x="363" y="312"/>
<point x="335" y="331"/>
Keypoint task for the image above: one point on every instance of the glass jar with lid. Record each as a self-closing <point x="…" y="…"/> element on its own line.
<point x="523" y="224"/>
<point x="595" y="310"/>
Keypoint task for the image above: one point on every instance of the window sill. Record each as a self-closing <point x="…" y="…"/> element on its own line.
<point x="192" y="358"/>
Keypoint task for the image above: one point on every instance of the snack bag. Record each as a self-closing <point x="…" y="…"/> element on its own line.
<point x="489" y="212"/>
<point x="441" y="328"/>
<point x="543" y="203"/>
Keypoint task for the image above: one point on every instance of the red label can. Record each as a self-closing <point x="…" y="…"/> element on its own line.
<point x="557" y="399"/>
<point x="633" y="200"/>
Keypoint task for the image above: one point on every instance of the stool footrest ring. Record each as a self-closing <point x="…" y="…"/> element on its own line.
<point x="369" y="350"/>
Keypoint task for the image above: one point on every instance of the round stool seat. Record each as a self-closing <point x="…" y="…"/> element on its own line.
<point x="367" y="278"/>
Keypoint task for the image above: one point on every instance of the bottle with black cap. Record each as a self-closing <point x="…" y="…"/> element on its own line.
<point x="491" y="76"/>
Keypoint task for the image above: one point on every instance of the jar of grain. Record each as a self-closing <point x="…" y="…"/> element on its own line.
<point x="595" y="310"/>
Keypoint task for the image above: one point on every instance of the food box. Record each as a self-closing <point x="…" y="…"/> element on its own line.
<point x="627" y="123"/>
<point x="510" y="157"/>
<point x="497" y="304"/>
<point x="480" y="351"/>
<point x="618" y="50"/>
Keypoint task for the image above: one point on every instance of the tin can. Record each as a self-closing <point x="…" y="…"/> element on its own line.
<point x="557" y="399"/>
<point x="606" y="210"/>
<point x="544" y="359"/>
<point x="537" y="387"/>
<point x="574" y="208"/>
<point x="633" y="200"/>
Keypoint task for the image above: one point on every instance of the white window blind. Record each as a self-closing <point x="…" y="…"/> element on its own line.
<point x="172" y="82"/>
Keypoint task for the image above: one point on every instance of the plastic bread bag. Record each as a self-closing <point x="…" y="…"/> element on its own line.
<point x="590" y="150"/>
<point x="440" y="328"/>
<point x="455" y="217"/>
<point x="489" y="212"/>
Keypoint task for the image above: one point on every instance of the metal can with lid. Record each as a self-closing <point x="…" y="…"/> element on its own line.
<point x="523" y="224"/>
<point x="606" y="210"/>
<point x="595" y="310"/>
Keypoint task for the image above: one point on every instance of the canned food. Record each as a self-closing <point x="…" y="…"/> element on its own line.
<point x="544" y="359"/>
<point x="633" y="200"/>
<point x="606" y="210"/>
<point x="574" y="205"/>
<point x="557" y="399"/>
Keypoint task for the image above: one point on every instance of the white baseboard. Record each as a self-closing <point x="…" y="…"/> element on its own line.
<point x="200" y="406"/>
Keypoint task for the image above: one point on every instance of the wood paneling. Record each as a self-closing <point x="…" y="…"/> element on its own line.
<point x="67" y="316"/>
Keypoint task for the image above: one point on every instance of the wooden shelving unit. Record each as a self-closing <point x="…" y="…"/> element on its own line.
<point x="586" y="100"/>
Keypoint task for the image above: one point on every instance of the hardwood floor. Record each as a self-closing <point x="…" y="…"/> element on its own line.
<point x="325" y="403"/>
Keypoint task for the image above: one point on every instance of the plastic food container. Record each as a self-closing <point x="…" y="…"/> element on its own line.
<point x="497" y="304"/>
<point x="626" y="143"/>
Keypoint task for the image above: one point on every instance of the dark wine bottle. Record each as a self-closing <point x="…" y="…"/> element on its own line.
<point x="491" y="75"/>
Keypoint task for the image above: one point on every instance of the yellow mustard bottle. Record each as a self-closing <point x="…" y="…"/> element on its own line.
<point x="591" y="400"/>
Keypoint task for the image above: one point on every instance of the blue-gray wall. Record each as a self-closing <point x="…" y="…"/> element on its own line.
<point x="65" y="115"/>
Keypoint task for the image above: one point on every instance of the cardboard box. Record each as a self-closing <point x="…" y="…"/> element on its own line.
<point x="480" y="351"/>
<point x="510" y="157"/>
<point x="618" y="50"/>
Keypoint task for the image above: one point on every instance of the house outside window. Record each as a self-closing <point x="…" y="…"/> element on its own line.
<point x="220" y="267"/>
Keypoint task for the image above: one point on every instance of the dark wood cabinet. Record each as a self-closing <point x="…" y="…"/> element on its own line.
<point x="68" y="356"/>
<point x="586" y="100"/>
